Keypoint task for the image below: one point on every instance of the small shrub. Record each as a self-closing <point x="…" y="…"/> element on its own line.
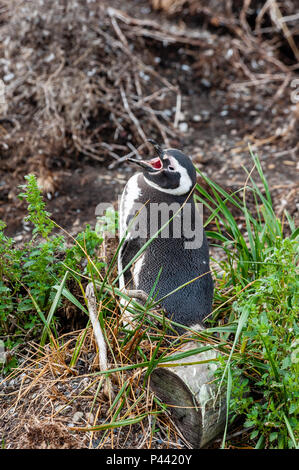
<point x="29" y="273"/>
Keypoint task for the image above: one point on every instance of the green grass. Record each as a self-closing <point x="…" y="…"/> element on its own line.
<point x="261" y="277"/>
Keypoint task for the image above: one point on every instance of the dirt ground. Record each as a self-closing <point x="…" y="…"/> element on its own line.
<point x="212" y="127"/>
<point x="215" y="110"/>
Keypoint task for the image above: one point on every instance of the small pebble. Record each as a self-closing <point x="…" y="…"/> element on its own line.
<point x="63" y="409"/>
<point x="77" y="417"/>
<point x="50" y="57"/>
<point x="90" y="418"/>
<point x="205" y="82"/>
<point x="183" y="126"/>
<point x="8" y="77"/>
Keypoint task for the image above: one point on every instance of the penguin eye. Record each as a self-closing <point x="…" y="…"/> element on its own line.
<point x="171" y="168"/>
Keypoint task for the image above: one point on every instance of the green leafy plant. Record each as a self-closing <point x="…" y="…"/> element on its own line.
<point x="37" y="214"/>
<point x="29" y="273"/>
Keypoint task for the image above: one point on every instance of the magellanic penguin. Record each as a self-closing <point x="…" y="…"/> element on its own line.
<point x="171" y="260"/>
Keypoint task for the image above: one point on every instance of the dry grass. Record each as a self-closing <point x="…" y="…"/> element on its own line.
<point x="51" y="404"/>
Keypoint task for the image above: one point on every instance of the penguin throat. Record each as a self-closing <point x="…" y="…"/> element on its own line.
<point x="155" y="163"/>
<point x="183" y="187"/>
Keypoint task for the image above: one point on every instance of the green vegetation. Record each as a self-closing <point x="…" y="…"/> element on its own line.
<point x="29" y="273"/>
<point x="258" y="293"/>
<point x="254" y="319"/>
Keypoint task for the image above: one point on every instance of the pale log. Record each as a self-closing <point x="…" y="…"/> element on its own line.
<point x="196" y="407"/>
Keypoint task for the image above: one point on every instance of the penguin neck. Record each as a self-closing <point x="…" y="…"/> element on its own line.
<point x="152" y="193"/>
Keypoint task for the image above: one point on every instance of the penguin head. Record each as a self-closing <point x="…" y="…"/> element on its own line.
<point x="171" y="171"/>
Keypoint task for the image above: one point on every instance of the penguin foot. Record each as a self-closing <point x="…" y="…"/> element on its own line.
<point x="128" y="318"/>
<point x="136" y="294"/>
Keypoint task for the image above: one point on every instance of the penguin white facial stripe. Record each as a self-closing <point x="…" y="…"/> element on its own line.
<point x="185" y="184"/>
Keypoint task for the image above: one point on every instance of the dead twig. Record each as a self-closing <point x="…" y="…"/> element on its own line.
<point x="98" y="334"/>
<point x="132" y="116"/>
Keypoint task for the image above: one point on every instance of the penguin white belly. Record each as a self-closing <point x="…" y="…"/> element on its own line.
<point x="130" y="197"/>
<point x="138" y="265"/>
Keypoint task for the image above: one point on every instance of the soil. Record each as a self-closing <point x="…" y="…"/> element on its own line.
<point x="214" y="130"/>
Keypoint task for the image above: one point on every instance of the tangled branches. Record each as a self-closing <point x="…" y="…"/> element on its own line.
<point x="78" y="84"/>
<point x="82" y="78"/>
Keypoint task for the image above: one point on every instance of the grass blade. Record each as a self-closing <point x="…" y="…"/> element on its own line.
<point x="53" y="309"/>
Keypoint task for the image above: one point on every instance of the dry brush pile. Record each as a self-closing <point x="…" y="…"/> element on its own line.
<point x="82" y="78"/>
<point x="74" y="83"/>
<point x="253" y="56"/>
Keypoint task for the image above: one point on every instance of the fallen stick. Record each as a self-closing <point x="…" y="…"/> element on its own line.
<point x="99" y="336"/>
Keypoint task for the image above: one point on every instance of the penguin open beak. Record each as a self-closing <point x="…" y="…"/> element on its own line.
<point x="155" y="164"/>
